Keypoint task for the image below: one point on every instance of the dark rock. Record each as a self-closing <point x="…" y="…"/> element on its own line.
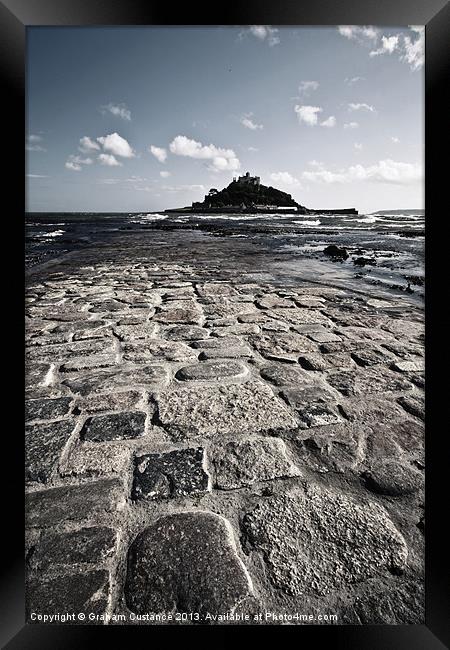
<point x="47" y="409"/>
<point x="175" y="474"/>
<point x="335" y="251"/>
<point x="186" y="562"/>
<point x="43" y="446"/>
<point x="73" y="502"/>
<point x="85" y="546"/>
<point x="362" y="261"/>
<point x="116" y="426"/>
<point x="78" y="593"/>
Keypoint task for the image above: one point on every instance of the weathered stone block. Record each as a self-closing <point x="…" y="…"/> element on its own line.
<point x="43" y="446"/>
<point x="114" y="426"/>
<point x="85" y="546"/>
<point x="47" y="409"/>
<point x="213" y="371"/>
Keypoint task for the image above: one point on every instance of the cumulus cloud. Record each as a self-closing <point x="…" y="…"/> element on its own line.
<point x="159" y="152"/>
<point x="352" y="80"/>
<point x="361" y="107"/>
<point x="307" y="114"/>
<point x="116" y="145"/>
<point x="351" y="125"/>
<point x="109" y="160"/>
<point x="395" y="140"/>
<point x="329" y="122"/>
<point x="410" y="48"/>
<point x="358" y="146"/>
<point x="33" y="143"/>
<point x="75" y="163"/>
<point x="265" y="33"/>
<point x="249" y="123"/>
<point x="384" y="171"/>
<point x="119" y="110"/>
<point x="221" y="159"/>
<point x="388" y="45"/>
<point x="164" y="174"/>
<point x="307" y="87"/>
<point x="284" y="178"/>
<point x="252" y="149"/>
<point x="87" y="145"/>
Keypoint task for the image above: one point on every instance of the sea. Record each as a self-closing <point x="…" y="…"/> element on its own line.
<point x="391" y="243"/>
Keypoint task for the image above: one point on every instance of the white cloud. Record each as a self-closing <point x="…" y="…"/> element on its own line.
<point x="358" y="146"/>
<point x="164" y="174"/>
<point x="159" y="152"/>
<point x="248" y="122"/>
<point x="75" y="163"/>
<point x="252" y="149"/>
<point x="285" y="178"/>
<point x="352" y="80"/>
<point x="360" y="34"/>
<point x="306" y="87"/>
<point x="116" y="145"/>
<point x="265" y="33"/>
<point x="351" y="125"/>
<point x="87" y="145"/>
<point x="109" y="160"/>
<point x="329" y="122"/>
<point x="183" y="188"/>
<point x="119" y="110"/>
<point x="32" y="143"/>
<point x="414" y="49"/>
<point x="308" y="114"/>
<point x="395" y="140"/>
<point x="361" y="107"/>
<point x="385" y="171"/>
<point x="221" y="159"/>
<point x="37" y="176"/>
<point x="388" y="45"/>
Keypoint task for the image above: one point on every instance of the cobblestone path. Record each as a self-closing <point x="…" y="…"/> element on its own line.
<point x="203" y="438"/>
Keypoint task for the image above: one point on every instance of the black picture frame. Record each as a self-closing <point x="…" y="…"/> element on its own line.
<point x="15" y="17"/>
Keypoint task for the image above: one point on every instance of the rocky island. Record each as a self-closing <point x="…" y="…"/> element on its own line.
<point x="246" y="194"/>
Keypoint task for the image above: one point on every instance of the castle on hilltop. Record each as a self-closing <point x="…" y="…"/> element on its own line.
<point x="247" y="180"/>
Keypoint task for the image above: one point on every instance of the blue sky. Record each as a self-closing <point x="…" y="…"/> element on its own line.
<point x="147" y="118"/>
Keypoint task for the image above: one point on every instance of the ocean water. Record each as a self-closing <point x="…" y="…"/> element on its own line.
<point x="394" y="241"/>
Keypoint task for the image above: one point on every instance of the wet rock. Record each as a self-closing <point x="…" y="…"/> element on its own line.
<point x="209" y="411"/>
<point x="47" y="409"/>
<point x="239" y="463"/>
<point x="85" y="546"/>
<point x="96" y="459"/>
<point x="73" y="502"/>
<point x="336" y="252"/>
<point x="74" y="594"/>
<point x="186" y="562"/>
<point x="43" y="447"/>
<point x="318" y="541"/>
<point x="212" y="371"/>
<point x="393" y="478"/>
<point x="177" y="473"/>
<point x="115" y="426"/>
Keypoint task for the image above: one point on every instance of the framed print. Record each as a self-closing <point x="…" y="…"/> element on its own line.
<point x="227" y="423"/>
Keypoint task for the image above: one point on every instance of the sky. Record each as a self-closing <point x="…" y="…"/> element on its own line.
<point x="140" y="119"/>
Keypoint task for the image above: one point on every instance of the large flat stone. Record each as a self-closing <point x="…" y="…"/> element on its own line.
<point x="209" y="411"/>
<point x="226" y="353"/>
<point x="120" y="401"/>
<point x="239" y="463"/>
<point x="185" y="333"/>
<point x="285" y="375"/>
<point x="186" y="562"/>
<point x="73" y="502"/>
<point x="393" y="478"/>
<point x="151" y="377"/>
<point x="114" y="426"/>
<point x="371" y="380"/>
<point x="85" y="546"/>
<point x="213" y="371"/>
<point x="43" y="446"/>
<point x="72" y="593"/>
<point x="177" y="473"/>
<point x="154" y="349"/>
<point x="319" y="541"/>
<point x="282" y="346"/>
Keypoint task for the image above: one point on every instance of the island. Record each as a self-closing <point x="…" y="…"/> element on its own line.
<point x="246" y="194"/>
